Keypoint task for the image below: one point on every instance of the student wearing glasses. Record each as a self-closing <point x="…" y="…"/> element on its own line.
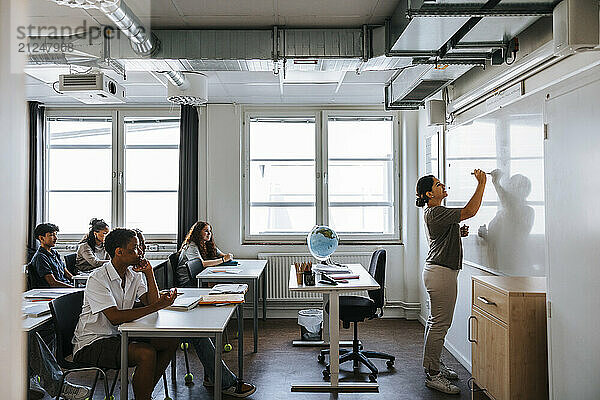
<point x="440" y="273"/>
<point x="90" y="252"/>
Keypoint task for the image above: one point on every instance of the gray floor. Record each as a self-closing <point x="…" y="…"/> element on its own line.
<point x="278" y="364"/>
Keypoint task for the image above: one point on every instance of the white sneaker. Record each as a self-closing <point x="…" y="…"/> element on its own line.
<point x="75" y="392"/>
<point x="447" y="372"/>
<point x="441" y="384"/>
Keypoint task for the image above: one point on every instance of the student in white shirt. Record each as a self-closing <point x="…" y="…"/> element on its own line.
<point x="199" y="243"/>
<point x="205" y="350"/>
<point x="90" y="252"/>
<point x="108" y="301"/>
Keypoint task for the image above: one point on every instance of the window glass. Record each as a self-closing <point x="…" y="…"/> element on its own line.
<point x="151" y="174"/>
<point x="360" y="181"/>
<point x="282" y="175"/>
<point x="78" y="178"/>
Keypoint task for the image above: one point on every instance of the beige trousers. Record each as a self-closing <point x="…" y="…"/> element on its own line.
<point x="441" y="285"/>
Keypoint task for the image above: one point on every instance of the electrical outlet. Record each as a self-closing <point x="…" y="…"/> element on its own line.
<point x="72" y="247"/>
<point x="152" y="247"/>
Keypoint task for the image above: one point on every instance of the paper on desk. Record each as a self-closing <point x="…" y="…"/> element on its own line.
<point x="224" y="288"/>
<point x="224" y="270"/>
<point x="44" y="294"/>
<point x="331" y="269"/>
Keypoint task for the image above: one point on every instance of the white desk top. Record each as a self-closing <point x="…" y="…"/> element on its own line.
<point x="250" y="269"/>
<point x="30" y="323"/>
<point x="203" y="318"/>
<point x="364" y="282"/>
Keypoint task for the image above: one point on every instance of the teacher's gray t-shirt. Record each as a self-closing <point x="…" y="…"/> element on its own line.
<point x="443" y="233"/>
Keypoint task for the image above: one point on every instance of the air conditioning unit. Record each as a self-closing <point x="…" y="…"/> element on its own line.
<point x="575" y="26"/>
<point x="92" y="88"/>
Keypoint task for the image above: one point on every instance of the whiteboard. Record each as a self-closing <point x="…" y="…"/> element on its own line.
<point x="507" y="234"/>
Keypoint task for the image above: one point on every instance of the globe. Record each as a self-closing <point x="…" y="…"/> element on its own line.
<point x="322" y="242"/>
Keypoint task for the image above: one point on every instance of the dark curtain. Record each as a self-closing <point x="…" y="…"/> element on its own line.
<point x="187" y="213"/>
<point x="37" y="124"/>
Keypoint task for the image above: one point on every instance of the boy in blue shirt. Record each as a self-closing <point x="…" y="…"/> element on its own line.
<point x="46" y="267"/>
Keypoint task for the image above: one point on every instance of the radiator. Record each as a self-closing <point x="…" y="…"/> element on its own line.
<point x="278" y="273"/>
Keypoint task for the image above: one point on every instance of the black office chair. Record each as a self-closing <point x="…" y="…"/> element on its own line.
<point x="70" y="260"/>
<point x="28" y="277"/>
<point x="65" y="311"/>
<point x="188" y="378"/>
<point x="354" y="309"/>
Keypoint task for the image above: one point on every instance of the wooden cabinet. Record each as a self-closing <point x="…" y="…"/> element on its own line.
<point x="507" y="330"/>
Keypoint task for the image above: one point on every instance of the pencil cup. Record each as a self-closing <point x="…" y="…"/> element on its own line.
<point x="299" y="276"/>
<point x="309" y="278"/>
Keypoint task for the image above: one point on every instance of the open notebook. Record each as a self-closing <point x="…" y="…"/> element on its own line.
<point x="184" y="303"/>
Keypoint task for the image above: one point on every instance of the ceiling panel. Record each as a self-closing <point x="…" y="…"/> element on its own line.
<point x="235" y="21"/>
<point x="317" y="20"/>
<point x="225" y="7"/>
<point x="327" y="8"/>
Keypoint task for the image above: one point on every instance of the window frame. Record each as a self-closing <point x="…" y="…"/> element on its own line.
<point x="118" y="184"/>
<point x="321" y="116"/>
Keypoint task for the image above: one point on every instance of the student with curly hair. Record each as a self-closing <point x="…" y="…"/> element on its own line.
<point x="199" y="243"/>
<point x="90" y="252"/>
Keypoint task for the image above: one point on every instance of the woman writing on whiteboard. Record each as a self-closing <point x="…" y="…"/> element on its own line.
<point x="200" y="244"/>
<point x="440" y="273"/>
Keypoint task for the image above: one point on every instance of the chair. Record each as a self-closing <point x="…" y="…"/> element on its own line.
<point x="188" y="378"/>
<point x="70" y="260"/>
<point x="354" y="309"/>
<point x="65" y="311"/>
<point x="28" y="277"/>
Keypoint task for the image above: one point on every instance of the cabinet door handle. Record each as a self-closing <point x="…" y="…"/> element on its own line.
<point x="486" y="301"/>
<point x="469" y="329"/>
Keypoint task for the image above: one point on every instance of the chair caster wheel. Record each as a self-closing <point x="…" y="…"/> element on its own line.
<point x="184" y="346"/>
<point x="189" y="379"/>
<point x="326" y="375"/>
<point x="168" y="398"/>
<point x="321" y="358"/>
<point x="390" y="364"/>
<point x="372" y="378"/>
<point x="227" y="348"/>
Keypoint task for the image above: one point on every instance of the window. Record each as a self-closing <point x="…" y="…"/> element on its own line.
<point x="78" y="178"/>
<point x="121" y="166"/>
<point x="337" y="169"/>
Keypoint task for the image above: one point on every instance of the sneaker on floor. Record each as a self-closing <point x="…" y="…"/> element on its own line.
<point x="448" y="373"/>
<point x="35" y="390"/>
<point x="247" y="390"/>
<point x="441" y="384"/>
<point x="75" y="392"/>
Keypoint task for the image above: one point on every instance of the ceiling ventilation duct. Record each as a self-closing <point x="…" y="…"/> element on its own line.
<point x="194" y="92"/>
<point x="121" y="15"/>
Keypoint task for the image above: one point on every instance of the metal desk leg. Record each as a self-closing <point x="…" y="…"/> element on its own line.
<point x="255" y="306"/>
<point x="264" y="293"/>
<point x="334" y="342"/>
<point x="325" y="335"/>
<point x="240" y="319"/>
<point x="218" y="355"/>
<point x="124" y="364"/>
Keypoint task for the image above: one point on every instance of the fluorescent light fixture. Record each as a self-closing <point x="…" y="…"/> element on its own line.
<point x="313" y="77"/>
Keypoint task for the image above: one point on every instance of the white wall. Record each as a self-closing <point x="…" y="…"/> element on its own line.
<point x="13" y="152"/>
<point x="223" y="198"/>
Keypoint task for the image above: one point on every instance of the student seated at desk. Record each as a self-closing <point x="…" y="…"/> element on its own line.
<point x="90" y="252"/>
<point x="108" y="301"/>
<point x="199" y="244"/>
<point x="43" y="366"/>
<point x="205" y="350"/>
<point x="47" y="268"/>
